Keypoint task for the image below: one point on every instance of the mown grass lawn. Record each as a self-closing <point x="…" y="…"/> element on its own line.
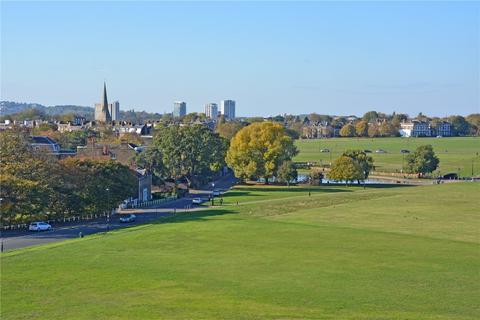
<point x="456" y="154"/>
<point x="340" y="253"/>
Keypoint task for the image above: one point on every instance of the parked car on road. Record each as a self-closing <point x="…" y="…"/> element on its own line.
<point x="216" y="193"/>
<point x="404" y="151"/>
<point x="197" y="201"/>
<point x="127" y="218"/>
<point x="39" y="226"/>
<point x="380" y="151"/>
<point x="324" y="150"/>
<point x="367" y="151"/>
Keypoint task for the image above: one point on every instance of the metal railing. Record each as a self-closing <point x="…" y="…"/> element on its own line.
<point x="151" y="202"/>
<point x="87" y="217"/>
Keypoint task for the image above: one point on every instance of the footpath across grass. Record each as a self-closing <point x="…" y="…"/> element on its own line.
<point x="456" y="154"/>
<point x="338" y="253"/>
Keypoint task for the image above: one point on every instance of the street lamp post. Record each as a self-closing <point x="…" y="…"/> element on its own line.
<point x="473" y="159"/>
<point x="1" y="244"/>
<point x="108" y="205"/>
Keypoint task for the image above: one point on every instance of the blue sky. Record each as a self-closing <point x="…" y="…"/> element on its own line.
<point x="271" y="57"/>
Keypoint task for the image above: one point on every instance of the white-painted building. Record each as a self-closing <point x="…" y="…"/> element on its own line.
<point x="415" y="128"/>
<point x="211" y="110"/>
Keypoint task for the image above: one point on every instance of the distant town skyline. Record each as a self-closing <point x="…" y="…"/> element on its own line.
<point x="271" y="58"/>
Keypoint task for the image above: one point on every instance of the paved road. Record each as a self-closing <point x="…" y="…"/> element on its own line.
<point x="20" y="239"/>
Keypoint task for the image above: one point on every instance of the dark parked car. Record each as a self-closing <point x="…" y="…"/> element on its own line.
<point x="404" y="151"/>
<point x="367" y="151"/>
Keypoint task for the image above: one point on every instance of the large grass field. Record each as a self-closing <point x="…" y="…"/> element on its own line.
<point x="341" y="253"/>
<point x="456" y="154"/>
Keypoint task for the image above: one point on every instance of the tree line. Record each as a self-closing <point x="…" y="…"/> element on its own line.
<point x="36" y="186"/>
<point x="356" y="165"/>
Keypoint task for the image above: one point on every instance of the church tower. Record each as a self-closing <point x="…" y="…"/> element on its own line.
<point x="102" y="114"/>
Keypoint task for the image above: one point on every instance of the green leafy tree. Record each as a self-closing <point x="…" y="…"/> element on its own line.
<point x="192" y="152"/>
<point x="365" y="161"/>
<point x="370" y="116"/>
<point x="259" y="149"/>
<point x="422" y="161"/>
<point x="346" y="169"/>
<point x="71" y="140"/>
<point x="474" y="121"/>
<point x="398" y="118"/>
<point x="104" y="184"/>
<point x="228" y="130"/>
<point x="287" y="172"/>
<point x="152" y="160"/>
<point x="387" y="129"/>
<point x="21" y="199"/>
<point x="295" y="129"/>
<point x="347" y="130"/>
<point x="314" y="117"/>
<point x="316" y="177"/>
<point x="45" y="127"/>
<point x="292" y="133"/>
<point x="461" y="127"/>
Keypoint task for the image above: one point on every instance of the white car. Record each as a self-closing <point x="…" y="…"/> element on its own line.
<point x="216" y="193"/>
<point x="39" y="226"/>
<point x="197" y="201"/>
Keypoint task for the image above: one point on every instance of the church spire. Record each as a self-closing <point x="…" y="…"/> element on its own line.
<point x="105" y="101"/>
<point x="105" y="108"/>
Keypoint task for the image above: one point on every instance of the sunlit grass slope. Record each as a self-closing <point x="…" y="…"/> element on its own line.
<point x="340" y="253"/>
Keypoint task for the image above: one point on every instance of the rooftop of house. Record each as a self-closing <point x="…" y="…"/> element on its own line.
<point x="42" y="140"/>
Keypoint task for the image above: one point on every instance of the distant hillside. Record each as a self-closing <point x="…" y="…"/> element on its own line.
<point x="80" y="110"/>
<point x="10" y="107"/>
<point x="22" y="111"/>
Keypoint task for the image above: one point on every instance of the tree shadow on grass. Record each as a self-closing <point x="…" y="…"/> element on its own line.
<point x="197" y="216"/>
<point x="387" y="186"/>
<point x="246" y="191"/>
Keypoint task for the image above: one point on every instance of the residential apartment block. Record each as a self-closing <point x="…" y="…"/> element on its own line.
<point x="227" y="108"/>
<point x="179" y="108"/>
<point x="211" y="110"/>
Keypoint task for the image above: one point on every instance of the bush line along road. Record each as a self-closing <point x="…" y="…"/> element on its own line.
<point x="386" y="252"/>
